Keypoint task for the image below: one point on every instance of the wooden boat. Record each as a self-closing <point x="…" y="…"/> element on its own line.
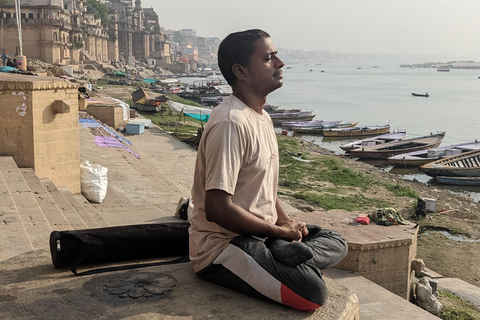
<point x="277" y="118"/>
<point x="418" y="158"/>
<point x="291" y="115"/>
<point x="443" y="69"/>
<point x="383" y="138"/>
<point x="319" y="130"/>
<point x="312" y="123"/>
<point x="421" y="94"/>
<point x="460" y="181"/>
<point x="383" y="151"/>
<point x="356" y="131"/>
<point x="283" y="111"/>
<point x="466" y="164"/>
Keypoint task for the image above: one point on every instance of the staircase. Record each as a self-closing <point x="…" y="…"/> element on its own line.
<point x="31" y="208"/>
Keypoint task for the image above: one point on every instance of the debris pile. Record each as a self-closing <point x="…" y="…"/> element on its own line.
<point x="36" y="66"/>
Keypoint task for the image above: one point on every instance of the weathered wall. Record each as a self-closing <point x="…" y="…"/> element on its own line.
<point x="34" y="134"/>
<point x="110" y="115"/>
<point x="381" y="254"/>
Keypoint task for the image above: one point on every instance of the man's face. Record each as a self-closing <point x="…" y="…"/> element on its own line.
<point x="265" y="74"/>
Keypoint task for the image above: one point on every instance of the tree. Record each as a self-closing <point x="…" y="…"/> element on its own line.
<point x="178" y="36"/>
<point x="100" y="11"/>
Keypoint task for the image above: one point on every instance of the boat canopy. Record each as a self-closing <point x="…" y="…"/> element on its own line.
<point x="202" y="114"/>
<point x="149" y="80"/>
<point x="224" y="90"/>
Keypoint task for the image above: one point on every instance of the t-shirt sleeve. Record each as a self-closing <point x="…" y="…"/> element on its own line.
<point x="224" y="151"/>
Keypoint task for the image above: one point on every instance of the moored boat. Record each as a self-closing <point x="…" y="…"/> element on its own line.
<point x="466" y="164"/>
<point x="312" y="123"/>
<point x="460" y="181"/>
<point x="420" y="157"/>
<point x="383" y="151"/>
<point x="277" y="118"/>
<point x="319" y="129"/>
<point x="380" y="139"/>
<point x="356" y="131"/>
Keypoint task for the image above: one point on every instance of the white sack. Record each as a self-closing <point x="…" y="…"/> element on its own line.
<point x="94" y="181"/>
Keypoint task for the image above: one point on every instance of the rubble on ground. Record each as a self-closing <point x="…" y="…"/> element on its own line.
<point x="37" y="66"/>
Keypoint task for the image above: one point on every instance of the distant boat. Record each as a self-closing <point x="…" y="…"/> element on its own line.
<point x="421" y="94"/>
<point x="418" y="158"/>
<point x="383" y="151"/>
<point x="466" y="164"/>
<point x="380" y="139"/>
<point x="443" y="69"/>
<point x="356" y="131"/>
<point x="376" y="66"/>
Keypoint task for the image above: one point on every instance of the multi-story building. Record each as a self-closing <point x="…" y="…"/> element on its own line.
<point x="66" y="31"/>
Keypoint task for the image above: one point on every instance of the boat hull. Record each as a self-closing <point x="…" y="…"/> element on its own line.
<point x="361" y="132"/>
<point x="459" y="181"/>
<point x="386" y="150"/>
<point x="320" y="129"/>
<point x="422" y="157"/>
<point x="384" y="138"/>
<point x="463" y="165"/>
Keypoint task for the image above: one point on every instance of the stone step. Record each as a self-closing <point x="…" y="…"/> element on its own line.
<point x="52" y="212"/>
<point x="34" y="221"/>
<point x="113" y="201"/>
<point x="69" y="212"/>
<point x="90" y="208"/>
<point x="377" y="303"/>
<point x="89" y="220"/>
<point x="14" y="239"/>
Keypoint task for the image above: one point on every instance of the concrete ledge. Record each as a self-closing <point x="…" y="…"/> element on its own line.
<point x="376" y="302"/>
<point x="379" y="253"/>
<point x="30" y="287"/>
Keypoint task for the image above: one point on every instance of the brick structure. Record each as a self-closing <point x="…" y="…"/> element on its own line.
<point x="39" y="127"/>
<point x="381" y="254"/>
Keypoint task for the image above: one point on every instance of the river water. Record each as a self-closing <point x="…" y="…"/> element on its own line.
<point x="378" y="95"/>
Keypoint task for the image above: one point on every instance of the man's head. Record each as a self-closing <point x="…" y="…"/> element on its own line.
<point x="249" y="62"/>
<point x="237" y="47"/>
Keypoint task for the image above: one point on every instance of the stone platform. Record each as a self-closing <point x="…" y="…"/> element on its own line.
<point x="31" y="288"/>
<point x="379" y="253"/>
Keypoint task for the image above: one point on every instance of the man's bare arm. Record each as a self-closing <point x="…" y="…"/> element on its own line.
<point x="220" y="209"/>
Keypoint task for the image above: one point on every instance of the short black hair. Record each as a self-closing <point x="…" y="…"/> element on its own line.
<point x="237" y="47"/>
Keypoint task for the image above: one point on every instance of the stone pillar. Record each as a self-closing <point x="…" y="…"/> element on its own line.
<point x="39" y="127"/>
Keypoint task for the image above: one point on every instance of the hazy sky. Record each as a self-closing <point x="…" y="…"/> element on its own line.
<point x="432" y="27"/>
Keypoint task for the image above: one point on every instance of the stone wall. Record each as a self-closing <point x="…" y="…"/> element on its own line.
<point x="39" y="127"/>
<point x="111" y="115"/>
<point x="379" y="253"/>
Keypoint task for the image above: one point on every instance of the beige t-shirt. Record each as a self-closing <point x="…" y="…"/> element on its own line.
<point x="238" y="153"/>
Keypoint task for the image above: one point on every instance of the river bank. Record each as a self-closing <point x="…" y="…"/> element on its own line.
<point x="357" y="186"/>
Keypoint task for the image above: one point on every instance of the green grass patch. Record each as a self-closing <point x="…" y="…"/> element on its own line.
<point x="349" y="203"/>
<point x="455" y="308"/>
<point x="324" y="168"/>
<point x="401" y="191"/>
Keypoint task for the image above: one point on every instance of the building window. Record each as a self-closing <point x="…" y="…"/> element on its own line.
<point x="30" y="16"/>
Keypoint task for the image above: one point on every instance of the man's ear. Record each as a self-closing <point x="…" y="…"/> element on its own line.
<point x="238" y="71"/>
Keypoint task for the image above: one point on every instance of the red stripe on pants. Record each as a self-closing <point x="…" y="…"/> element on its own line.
<point x="293" y="300"/>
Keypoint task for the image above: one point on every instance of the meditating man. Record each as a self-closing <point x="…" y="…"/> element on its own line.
<point x="240" y="236"/>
